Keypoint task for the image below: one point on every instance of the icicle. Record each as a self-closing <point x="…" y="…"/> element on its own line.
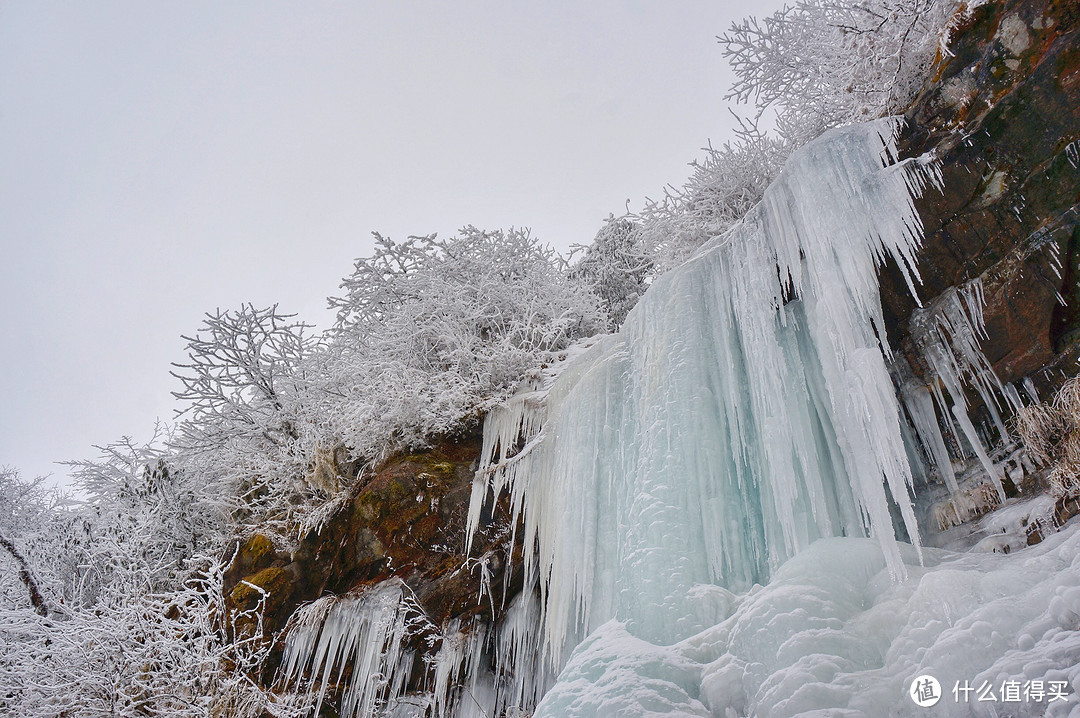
<point x="457" y="659"/>
<point x="369" y="632"/>
<point x="947" y="334"/>
<point x="1029" y="387"/>
<point x="920" y="407"/>
<point x="992" y="470"/>
<point x="521" y="674"/>
<point x="1012" y="397"/>
<point x="504" y="428"/>
<point x="1054" y="250"/>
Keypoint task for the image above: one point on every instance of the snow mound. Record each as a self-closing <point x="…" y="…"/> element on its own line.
<point x="832" y="634"/>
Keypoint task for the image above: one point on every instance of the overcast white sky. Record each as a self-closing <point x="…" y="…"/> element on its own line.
<point x="159" y="160"/>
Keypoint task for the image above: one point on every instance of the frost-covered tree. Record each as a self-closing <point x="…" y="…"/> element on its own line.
<point x="130" y="619"/>
<point x="141" y="503"/>
<point x="821" y="63"/>
<point x="132" y="652"/>
<point x="723" y="186"/>
<point x="431" y="332"/>
<point x="31" y="532"/>
<point x="816" y="64"/>
<point x="241" y="376"/>
<point x="243" y="429"/>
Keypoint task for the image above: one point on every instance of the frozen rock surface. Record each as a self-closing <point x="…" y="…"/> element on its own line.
<point x="1002" y="114"/>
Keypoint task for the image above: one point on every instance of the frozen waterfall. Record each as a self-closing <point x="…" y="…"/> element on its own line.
<point x="744" y="410"/>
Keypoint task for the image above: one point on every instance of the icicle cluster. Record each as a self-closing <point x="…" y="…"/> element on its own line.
<point x="382" y="655"/>
<point x="744" y="410"/>
<point x="947" y="334"/>
<point x="368" y="633"/>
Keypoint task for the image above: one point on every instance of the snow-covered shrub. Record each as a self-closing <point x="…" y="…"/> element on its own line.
<point x="131" y="618"/>
<point x="630" y="251"/>
<point x="616" y="266"/>
<point x="724" y="185"/>
<point x="132" y="653"/>
<point x="34" y="534"/>
<point x="431" y="332"/>
<point x="143" y="505"/>
<point x="1050" y="432"/>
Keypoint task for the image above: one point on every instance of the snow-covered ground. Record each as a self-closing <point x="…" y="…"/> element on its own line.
<point x="832" y="634"/>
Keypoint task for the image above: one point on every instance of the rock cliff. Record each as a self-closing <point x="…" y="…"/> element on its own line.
<point x="406" y="520"/>
<point x="1002" y="115"/>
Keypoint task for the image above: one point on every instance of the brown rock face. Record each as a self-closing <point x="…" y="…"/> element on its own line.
<point x="406" y="521"/>
<point x="1002" y="114"/>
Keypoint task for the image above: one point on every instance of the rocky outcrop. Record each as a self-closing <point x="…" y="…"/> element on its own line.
<point x="407" y="520"/>
<point x="1002" y="115"/>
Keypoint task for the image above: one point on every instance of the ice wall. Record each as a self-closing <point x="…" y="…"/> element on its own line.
<point x="744" y="410"/>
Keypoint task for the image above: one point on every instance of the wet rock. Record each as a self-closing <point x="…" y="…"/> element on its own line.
<point x="1002" y="114"/>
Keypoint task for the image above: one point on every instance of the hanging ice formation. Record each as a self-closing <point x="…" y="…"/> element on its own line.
<point x="744" y="410"/>
<point x="390" y="660"/>
<point x="947" y="335"/>
<point x="370" y="631"/>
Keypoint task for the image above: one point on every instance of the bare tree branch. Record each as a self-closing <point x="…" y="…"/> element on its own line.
<point x="27" y="577"/>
